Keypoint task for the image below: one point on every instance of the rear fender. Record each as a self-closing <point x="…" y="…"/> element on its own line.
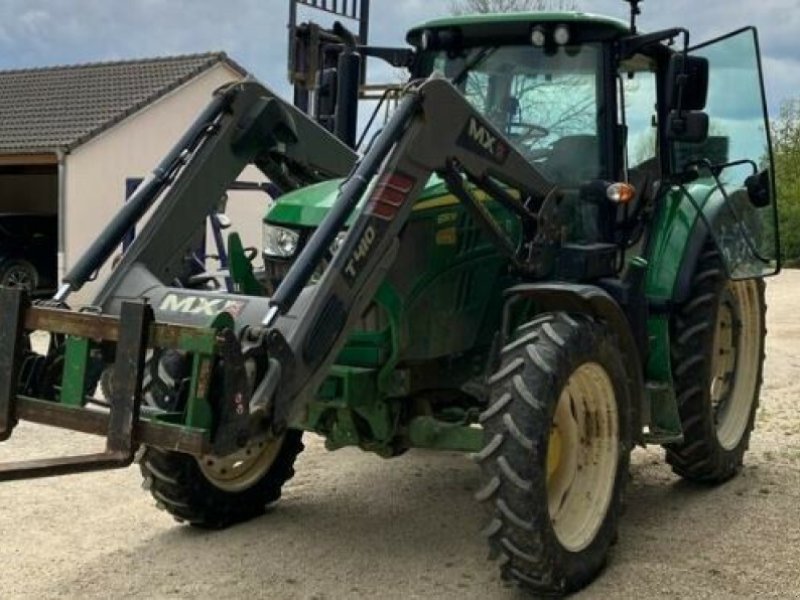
<point x="592" y="301"/>
<point x="679" y="233"/>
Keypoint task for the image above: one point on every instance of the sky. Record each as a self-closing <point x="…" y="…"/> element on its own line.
<point x="36" y="33"/>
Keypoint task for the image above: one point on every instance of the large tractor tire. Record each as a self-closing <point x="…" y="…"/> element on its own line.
<point x="164" y="372"/>
<point x="717" y="362"/>
<point x="217" y="492"/>
<point x="555" y="462"/>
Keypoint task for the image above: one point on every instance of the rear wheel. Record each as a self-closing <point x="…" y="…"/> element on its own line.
<point x="555" y="462"/>
<point x="717" y="358"/>
<point x="215" y="492"/>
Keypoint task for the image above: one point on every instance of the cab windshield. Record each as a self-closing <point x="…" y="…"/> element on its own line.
<point x="546" y="101"/>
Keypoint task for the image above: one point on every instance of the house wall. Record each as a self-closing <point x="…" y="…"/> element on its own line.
<point x="96" y="172"/>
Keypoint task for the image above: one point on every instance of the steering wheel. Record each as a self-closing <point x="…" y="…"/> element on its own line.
<point x="538" y="153"/>
<point x="531" y="131"/>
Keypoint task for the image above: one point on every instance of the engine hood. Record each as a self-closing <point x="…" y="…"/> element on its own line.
<point x="307" y="207"/>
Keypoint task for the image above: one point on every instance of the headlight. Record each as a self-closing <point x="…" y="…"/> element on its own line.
<point x="279" y="241"/>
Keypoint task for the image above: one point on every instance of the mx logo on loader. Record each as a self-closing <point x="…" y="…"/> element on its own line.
<point x="477" y="138"/>
<point x="201" y="306"/>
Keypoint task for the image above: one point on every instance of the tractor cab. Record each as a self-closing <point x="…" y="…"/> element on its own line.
<point x="606" y="112"/>
<point x="540" y="78"/>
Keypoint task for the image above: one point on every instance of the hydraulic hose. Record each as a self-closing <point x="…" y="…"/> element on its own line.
<point x="143" y="198"/>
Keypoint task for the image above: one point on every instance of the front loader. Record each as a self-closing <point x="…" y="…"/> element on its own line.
<point x="508" y="270"/>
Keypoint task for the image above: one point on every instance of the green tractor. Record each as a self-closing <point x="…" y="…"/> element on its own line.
<point x="553" y="251"/>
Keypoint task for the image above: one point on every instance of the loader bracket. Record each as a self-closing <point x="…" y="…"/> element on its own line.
<point x="234" y="411"/>
<point x="135" y="321"/>
<point x="133" y="332"/>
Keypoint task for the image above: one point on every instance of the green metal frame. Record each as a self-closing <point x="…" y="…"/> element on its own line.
<point x="365" y="400"/>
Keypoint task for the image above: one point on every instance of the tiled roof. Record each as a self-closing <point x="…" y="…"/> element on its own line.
<point x="62" y="107"/>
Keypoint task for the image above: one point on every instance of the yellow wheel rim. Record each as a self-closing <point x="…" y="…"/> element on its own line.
<point x="241" y="470"/>
<point x="582" y="456"/>
<point x="735" y="360"/>
<point x="553" y="452"/>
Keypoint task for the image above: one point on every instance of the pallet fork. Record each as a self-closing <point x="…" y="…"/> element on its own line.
<point x="132" y="333"/>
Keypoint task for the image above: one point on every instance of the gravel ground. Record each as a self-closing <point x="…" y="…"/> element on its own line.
<point x="351" y="525"/>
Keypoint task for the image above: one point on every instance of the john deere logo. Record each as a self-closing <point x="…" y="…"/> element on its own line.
<point x="477" y="138"/>
<point x="199" y="305"/>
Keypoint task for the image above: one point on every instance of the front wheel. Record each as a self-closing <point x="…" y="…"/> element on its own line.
<point x="215" y="492"/>
<point x="558" y="441"/>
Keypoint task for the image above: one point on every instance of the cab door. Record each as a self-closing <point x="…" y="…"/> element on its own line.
<point x="736" y="186"/>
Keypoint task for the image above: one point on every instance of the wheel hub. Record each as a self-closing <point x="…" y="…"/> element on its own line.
<point x="723" y="361"/>
<point x="237" y="472"/>
<point x="582" y="457"/>
<point x="734" y="361"/>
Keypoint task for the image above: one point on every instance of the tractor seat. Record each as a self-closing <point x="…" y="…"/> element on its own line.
<point x="572" y="160"/>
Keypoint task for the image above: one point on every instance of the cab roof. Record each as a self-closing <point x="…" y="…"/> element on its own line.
<point x="495" y="24"/>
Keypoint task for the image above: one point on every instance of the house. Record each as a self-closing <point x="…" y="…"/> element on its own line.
<point x="74" y="140"/>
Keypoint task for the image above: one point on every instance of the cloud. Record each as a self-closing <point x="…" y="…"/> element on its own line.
<point x="782" y="79"/>
<point x="34" y="22"/>
<point x="253" y="32"/>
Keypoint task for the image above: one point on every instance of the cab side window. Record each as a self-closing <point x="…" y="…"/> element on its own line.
<point x="638" y="96"/>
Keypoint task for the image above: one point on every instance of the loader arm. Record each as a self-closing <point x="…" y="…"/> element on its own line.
<point x="245" y="123"/>
<point x="293" y="336"/>
<point x="435" y="130"/>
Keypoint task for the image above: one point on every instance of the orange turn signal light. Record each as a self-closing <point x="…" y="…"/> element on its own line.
<point x="620" y="193"/>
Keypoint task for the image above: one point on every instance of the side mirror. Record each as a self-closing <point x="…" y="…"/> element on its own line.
<point x="687" y="82"/>
<point x="691" y="127"/>
<point x="758" y="189"/>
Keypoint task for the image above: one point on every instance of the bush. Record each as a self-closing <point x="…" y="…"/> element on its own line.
<point x="786" y="149"/>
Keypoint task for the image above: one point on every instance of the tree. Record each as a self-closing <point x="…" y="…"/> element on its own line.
<point x="786" y="153"/>
<point x="486" y="6"/>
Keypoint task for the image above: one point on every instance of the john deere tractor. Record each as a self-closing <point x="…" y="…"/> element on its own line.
<point x="553" y="251"/>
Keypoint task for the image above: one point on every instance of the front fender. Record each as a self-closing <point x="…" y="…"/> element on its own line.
<point x="595" y="302"/>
